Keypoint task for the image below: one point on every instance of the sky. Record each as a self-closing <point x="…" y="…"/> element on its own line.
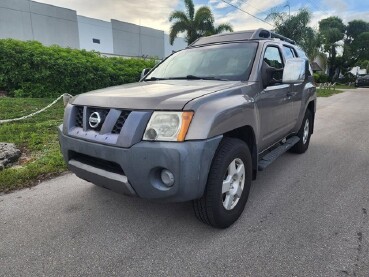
<point x="155" y="14"/>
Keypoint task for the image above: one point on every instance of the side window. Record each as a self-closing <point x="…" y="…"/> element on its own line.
<point x="289" y="53"/>
<point x="273" y="57"/>
<point x="303" y="55"/>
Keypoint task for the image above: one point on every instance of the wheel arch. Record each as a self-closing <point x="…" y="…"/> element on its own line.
<point x="312" y="108"/>
<point x="246" y="133"/>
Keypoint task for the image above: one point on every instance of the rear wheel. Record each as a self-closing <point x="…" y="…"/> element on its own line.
<point x="304" y="134"/>
<point x="228" y="185"/>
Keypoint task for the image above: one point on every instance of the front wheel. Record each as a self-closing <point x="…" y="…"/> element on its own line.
<point x="304" y="134"/>
<point x="228" y="185"/>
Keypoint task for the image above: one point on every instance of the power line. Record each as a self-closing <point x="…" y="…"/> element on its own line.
<point x="319" y="8"/>
<point x="238" y="8"/>
<point x="247" y="3"/>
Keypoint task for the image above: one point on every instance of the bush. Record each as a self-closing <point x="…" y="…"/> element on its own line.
<point x="321" y="77"/>
<point x="29" y="69"/>
<point x="364" y="65"/>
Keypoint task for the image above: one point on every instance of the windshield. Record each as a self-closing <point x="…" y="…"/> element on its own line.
<point x="216" y="62"/>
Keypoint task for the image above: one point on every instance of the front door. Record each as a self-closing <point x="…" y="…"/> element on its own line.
<point x="272" y="102"/>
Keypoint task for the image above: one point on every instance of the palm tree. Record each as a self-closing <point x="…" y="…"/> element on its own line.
<point x="296" y="27"/>
<point x="194" y="24"/>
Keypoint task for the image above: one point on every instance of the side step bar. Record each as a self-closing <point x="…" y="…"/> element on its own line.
<point x="274" y="154"/>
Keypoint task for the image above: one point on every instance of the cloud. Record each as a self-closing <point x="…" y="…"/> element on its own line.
<point x="148" y="13"/>
<point x="349" y="16"/>
<point x="346" y="16"/>
<point x="241" y="20"/>
<point x="155" y="14"/>
<point x="336" y="5"/>
<point x="221" y="5"/>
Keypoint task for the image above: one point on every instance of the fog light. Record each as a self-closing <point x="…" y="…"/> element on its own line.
<point x="167" y="177"/>
<point x="151" y="134"/>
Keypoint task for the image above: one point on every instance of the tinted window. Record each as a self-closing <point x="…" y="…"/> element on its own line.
<point x="301" y="53"/>
<point x="225" y="61"/>
<point x="273" y="57"/>
<point x="289" y="53"/>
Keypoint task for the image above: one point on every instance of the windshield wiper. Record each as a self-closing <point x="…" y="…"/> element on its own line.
<point x="193" y="77"/>
<point x="155" y="79"/>
<point x="188" y="77"/>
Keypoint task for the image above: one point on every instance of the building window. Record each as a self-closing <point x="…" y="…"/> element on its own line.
<point x="95" y="40"/>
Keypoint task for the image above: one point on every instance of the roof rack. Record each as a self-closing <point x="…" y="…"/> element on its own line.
<point x="241" y="36"/>
<point x="265" y="34"/>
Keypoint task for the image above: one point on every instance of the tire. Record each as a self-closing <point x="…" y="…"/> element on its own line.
<point x="304" y="134"/>
<point x="225" y="197"/>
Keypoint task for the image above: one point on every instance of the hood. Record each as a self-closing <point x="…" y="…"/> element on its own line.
<point x="156" y="95"/>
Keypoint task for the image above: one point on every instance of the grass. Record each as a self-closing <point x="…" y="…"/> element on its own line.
<point x="344" y="87"/>
<point x="326" y="92"/>
<point x="37" y="139"/>
<point x="323" y="92"/>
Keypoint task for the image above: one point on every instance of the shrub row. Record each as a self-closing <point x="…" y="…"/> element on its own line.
<point x="321" y="77"/>
<point x="30" y="69"/>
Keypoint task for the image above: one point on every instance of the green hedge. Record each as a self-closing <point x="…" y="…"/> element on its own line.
<point x="321" y="78"/>
<point x="29" y="69"/>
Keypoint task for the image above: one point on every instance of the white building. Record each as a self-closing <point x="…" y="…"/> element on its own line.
<point x="29" y="20"/>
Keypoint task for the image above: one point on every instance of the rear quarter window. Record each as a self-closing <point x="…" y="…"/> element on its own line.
<point x="289" y="53"/>
<point x="302" y="54"/>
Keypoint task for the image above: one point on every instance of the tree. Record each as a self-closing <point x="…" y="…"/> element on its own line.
<point x="332" y="30"/>
<point x="293" y="27"/>
<point x="364" y="65"/>
<point x="356" y="47"/>
<point x="296" y="27"/>
<point x="194" y="24"/>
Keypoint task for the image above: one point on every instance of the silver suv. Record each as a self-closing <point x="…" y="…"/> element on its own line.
<point x="198" y="126"/>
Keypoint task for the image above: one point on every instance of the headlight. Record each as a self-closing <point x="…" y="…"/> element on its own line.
<point x="168" y="126"/>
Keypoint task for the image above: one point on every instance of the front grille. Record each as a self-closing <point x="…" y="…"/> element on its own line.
<point x="103" y="114"/>
<point x="96" y="162"/>
<point x="120" y="122"/>
<point x="79" y="116"/>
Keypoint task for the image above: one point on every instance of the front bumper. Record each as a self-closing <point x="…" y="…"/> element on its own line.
<point x="141" y="165"/>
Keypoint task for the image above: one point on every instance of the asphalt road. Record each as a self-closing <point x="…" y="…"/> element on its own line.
<point x="307" y="216"/>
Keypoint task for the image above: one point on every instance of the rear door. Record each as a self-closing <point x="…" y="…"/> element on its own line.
<point x="294" y="96"/>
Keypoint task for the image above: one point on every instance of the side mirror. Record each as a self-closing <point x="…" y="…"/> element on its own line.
<point x="295" y="71"/>
<point x="267" y="73"/>
<point x="144" y="72"/>
<point x="270" y="75"/>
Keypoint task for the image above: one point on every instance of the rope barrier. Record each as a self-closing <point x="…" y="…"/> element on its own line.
<point x="65" y="97"/>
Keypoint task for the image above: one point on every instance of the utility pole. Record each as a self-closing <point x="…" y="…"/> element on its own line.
<point x="289" y="10"/>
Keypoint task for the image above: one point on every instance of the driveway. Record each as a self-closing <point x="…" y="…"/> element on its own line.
<point x="307" y="216"/>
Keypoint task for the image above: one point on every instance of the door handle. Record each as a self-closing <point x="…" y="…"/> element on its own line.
<point x="290" y="94"/>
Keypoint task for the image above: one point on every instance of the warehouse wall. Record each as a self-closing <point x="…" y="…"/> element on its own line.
<point x="28" y="20"/>
<point x="15" y="19"/>
<point x="95" y="34"/>
<point x="179" y="44"/>
<point x="133" y="40"/>
<point x="54" y="25"/>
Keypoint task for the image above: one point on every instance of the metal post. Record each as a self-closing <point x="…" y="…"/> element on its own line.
<point x="289" y="10"/>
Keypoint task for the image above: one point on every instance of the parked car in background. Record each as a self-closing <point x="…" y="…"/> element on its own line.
<point x="362" y="81"/>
